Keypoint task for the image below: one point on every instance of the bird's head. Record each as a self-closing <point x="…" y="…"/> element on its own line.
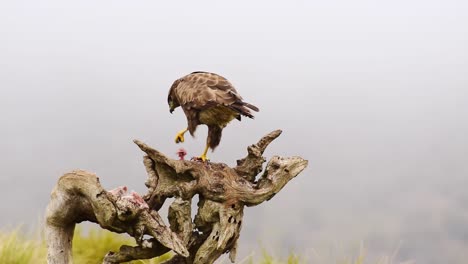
<point x="172" y="102"/>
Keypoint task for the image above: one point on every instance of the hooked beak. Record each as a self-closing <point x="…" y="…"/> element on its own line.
<point x="171" y="106"/>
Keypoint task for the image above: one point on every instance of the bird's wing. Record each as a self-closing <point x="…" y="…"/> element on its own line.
<point x="201" y="90"/>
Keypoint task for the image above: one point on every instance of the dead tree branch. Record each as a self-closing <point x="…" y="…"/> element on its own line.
<point x="223" y="194"/>
<point x="78" y="196"/>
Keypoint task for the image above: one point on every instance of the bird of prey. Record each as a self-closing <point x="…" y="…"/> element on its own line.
<point x="209" y="99"/>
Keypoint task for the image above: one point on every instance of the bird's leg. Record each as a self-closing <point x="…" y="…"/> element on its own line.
<point x="203" y="156"/>
<point x="180" y="136"/>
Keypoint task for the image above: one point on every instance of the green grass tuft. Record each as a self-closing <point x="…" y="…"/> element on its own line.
<point x="17" y="249"/>
<point x="92" y="246"/>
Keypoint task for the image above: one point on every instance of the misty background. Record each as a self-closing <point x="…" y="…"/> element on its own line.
<point x="373" y="93"/>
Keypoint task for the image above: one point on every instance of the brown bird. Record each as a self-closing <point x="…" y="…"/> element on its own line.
<point x="209" y="99"/>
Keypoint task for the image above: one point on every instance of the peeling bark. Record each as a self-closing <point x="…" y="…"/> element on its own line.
<point x="223" y="193"/>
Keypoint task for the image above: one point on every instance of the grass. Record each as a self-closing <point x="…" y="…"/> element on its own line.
<point x="17" y="249"/>
<point x="267" y="258"/>
<point x="90" y="248"/>
<point x="360" y="257"/>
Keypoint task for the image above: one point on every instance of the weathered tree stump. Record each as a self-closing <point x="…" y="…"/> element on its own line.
<point x="223" y="194"/>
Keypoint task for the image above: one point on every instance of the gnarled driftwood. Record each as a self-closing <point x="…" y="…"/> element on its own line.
<point x="223" y="194"/>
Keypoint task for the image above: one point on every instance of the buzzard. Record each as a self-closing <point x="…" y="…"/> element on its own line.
<point x="209" y="99"/>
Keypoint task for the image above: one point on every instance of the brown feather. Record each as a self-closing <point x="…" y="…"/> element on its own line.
<point x="242" y="110"/>
<point x="214" y="136"/>
<point x="208" y="98"/>
<point x="192" y="121"/>
<point x="253" y="107"/>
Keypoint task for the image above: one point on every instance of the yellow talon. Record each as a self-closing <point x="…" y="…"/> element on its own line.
<point x="203" y="156"/>
<point x="180" y="136"/>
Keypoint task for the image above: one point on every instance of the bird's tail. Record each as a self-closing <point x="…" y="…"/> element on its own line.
<point x="253" y="107"/>
<point x="244" y="108"/>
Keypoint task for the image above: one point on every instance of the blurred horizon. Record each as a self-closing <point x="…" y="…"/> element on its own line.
<point x="374" y="94"/>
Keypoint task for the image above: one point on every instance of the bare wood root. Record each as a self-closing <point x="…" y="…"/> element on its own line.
<point x="128" y="253"/>
<point x="78" y="196"/>
<point x="223" y="193"/>
<point x="250" y="166"/>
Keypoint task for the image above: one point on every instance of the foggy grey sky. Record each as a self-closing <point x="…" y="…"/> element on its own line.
<point x="373" y="93"/>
